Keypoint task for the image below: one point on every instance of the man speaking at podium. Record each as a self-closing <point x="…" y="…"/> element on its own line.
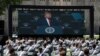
<point x="48" y="25"/>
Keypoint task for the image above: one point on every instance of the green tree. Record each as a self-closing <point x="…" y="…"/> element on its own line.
<point x="4" y="4"/>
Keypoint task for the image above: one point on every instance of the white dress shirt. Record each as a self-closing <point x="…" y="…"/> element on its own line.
<point x="48" y="21"/>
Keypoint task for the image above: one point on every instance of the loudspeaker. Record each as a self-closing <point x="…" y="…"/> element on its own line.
<point x="1" y="27"/>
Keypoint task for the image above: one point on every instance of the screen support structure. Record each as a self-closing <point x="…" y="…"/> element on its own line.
<point x="90" y="8"/>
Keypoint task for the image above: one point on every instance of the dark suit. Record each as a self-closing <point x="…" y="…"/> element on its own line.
<point x="43" y="22"/>
<point x="42" y="25"/>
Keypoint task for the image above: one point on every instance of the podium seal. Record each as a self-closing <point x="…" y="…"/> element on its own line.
<point x="50" y="30"/>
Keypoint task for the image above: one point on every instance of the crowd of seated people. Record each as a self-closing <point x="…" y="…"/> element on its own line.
<point x="51" y="47"/>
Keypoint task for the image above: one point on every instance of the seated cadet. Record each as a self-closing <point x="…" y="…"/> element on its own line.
<point x="10" y="41"/>
<point x="40" y="50"/>
<point x="7" y="49"/>
<point x="83" y="43"/>
<point x="95" y="51"/>
<point x="73" y="47"/>
<point x="86" y="52"/>
<point x="68" y="51"/>
<point x="77" y="50"/>
<point x="18" y="46"/>
<point x="46" y="49"/>
<point x="54" y="41"/>
<point x="23" y="41"/>
<point x="6" y="44"/>
<point x="61" y="39"/>
<point x="30" y="48"/>
<point x="81" y="53"/>
<point x="62" y="52"/>
<point x="55" y="52"/>
<point x="97" y="46"/>
<point x="12" y="52"/>
<point x="22" y="52"/>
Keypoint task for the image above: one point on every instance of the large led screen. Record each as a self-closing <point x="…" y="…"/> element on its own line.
<point x="50" y="22"/>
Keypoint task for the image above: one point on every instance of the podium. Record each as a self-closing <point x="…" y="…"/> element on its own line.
<point x="49" y="30"/>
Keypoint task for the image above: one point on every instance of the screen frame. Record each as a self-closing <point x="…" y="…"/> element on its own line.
<point x="91" y="18"/>
<point x="2" y="23"/>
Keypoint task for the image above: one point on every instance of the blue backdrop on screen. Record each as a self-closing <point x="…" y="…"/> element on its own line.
<point x="63" y="22"/>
